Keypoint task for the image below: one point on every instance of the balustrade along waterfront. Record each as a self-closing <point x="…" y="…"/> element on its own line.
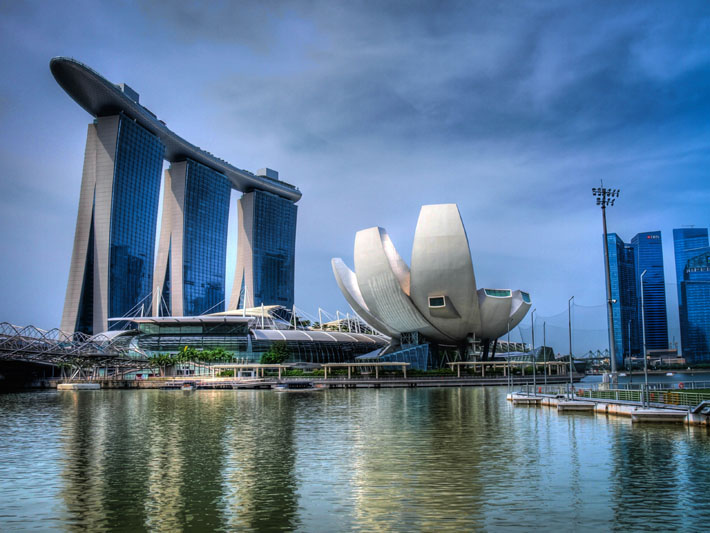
<point x="431" y="459"/>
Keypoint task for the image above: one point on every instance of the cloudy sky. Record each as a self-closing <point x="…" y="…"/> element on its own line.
<point x="512" y="110"/>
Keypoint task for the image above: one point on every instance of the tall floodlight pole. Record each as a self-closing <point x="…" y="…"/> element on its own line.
<point x="532" y="323"/>
<point x="643" y="331"/>
<point x="571" y="368"/>
<point x="606" y="197"/>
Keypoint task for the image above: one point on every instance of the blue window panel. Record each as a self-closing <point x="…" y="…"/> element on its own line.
<point x="134" y="212"/>
<point x="695" y="298"/>
<point x="648" y="255"/>
<point x="274" y="247"/>
<point x="623" y="291"/>
<point x="687" y="243"/>
<point x="206" y="217"/>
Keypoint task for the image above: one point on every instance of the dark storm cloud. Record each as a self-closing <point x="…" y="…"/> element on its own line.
<point x="462" y="72"/>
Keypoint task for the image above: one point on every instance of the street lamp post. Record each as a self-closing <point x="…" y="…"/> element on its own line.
<point x="544" y="351"/>
<point x="643" y="331"/>
<point x="507" y="359"/>
<point x="606" y="197"/>
<point x="628" y="356"/>
<point x="532" y="323"/>
<point x="571" y="368"/>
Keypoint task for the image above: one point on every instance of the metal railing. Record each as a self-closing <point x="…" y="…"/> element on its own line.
<point x="679" y="397"/>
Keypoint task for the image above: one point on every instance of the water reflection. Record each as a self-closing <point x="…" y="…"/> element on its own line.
<point x="258" y="469"/>
<point x="658" y="473"/>
<point x="403" y="459"/>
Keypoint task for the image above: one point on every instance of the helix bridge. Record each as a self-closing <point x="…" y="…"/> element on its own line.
<point x="76" y="351"/>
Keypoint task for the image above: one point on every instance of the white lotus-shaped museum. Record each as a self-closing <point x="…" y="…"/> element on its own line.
<point x="437" y="297"/>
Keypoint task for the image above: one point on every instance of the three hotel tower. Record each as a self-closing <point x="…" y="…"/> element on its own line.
<point x="113" y="273"/>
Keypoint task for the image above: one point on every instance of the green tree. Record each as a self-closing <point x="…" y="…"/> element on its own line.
<point x="278" y="353"/>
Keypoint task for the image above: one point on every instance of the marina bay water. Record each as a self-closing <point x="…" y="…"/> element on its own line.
<point x="367" y="459"/>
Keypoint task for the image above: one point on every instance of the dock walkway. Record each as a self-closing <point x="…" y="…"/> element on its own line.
<point x="634" y="410"/>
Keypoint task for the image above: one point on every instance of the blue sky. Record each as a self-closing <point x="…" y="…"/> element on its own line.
<point x="512" y="110"/>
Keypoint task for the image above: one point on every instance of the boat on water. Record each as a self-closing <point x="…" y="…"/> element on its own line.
<point x="296" y="387"/>
<point x="187" y="387"/>
<point x="670" y="374"/>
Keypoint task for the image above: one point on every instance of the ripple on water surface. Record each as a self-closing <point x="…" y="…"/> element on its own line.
<point x="400" y="459"/>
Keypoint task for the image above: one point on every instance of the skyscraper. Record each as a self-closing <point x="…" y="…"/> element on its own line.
<point x="265" y="251"/>
<point x="112" y="260"/>
<point x="687" y="243"/>
<point x="695" y="303"/>
<point x="648" y="256"/>
<point x="190" y="269"/>
<point x="112" y="272"/>
<point x="623" y="293"/>
<point x="626" y="264"/>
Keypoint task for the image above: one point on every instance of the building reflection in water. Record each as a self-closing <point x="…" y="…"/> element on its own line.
<point x="160" y="461"/>
<point x="258" y="470"/>
<point x="421" y="459"/>
<point x="660" y="472"/>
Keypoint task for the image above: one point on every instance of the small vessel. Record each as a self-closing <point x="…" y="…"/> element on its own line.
<point x="295" y="387"/>
<point x="187" y="387"/>
<point x="669" y="374"/>
<point x="622" y="375"/>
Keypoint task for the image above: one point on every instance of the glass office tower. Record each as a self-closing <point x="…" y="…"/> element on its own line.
<point x="265" y="251"/>
<point x="687" y="243"/>
<point x="112" y="260"/>
<point x="190" y="270"/>
<point x="623" y="290"/>
<point x="695" y="298"/>
<point x="648" y="256"/>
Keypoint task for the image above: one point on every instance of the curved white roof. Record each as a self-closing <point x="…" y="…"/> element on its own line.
<point x="312" y="335"/>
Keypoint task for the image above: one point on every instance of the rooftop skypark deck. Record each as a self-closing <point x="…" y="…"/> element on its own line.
<point x="100" y="97"/>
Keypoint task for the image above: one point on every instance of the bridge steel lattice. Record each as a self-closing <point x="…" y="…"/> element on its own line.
<point x="30" y="344"/>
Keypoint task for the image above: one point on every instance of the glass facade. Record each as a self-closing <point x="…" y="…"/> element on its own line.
<point x="687" y="243"/>
<point x="134" y="212"/>
<point x="247" y="345"/>
<point x="695" y="304"/>
<point x="498" y="293"/>
<point x="648" y="256"/>
<point x="135" y="186"/>
<point x="206" y="215"/>
<point x="85" y="319"/>
<point x="273" y="248"/>
<point x="623" y="290"/>
<point x="162" y="338"/>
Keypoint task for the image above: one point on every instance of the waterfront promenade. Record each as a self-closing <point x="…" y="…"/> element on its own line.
<point x="207" y="382"/>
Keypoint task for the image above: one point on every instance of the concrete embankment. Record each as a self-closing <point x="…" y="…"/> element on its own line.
<point x="78" y="386"/>
<point x="333" y="383"/>
<point x="634" y="410"/>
